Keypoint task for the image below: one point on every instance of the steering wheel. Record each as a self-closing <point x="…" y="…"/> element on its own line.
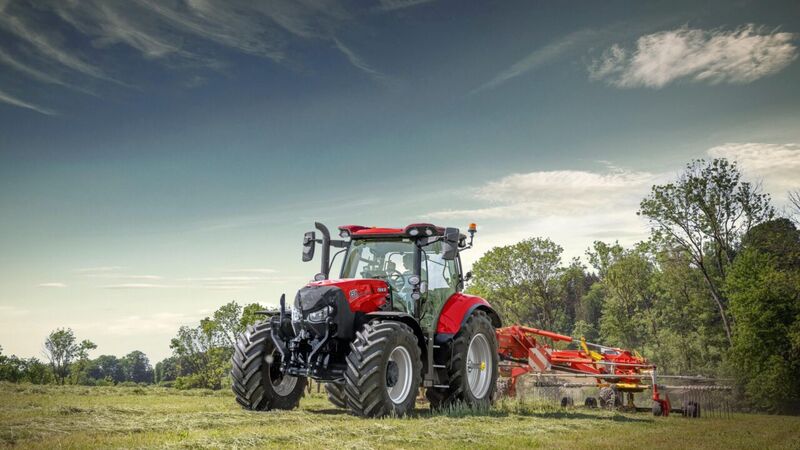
<point x="397" y="279"/>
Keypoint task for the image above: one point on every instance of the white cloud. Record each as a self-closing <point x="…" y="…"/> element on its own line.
<point x="776" y="165"/>
<point x="572" y="207"/>
<point x="715" y="56"/>
<point x="99" y="269"/>
<point x="135" y="325"/>
<point x="257" y="270"/>
<point x="141" y="286"/>
<point x="53" y="285"/>
<point x="12" y="311"/>
<point x="557" y="192"/>
<point x="11" y="100"/>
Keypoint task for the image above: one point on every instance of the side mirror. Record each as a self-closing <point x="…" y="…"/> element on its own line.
<point x="309" y="243"/>
<point x="451" y="237"/>
<point x="468" y="276"/>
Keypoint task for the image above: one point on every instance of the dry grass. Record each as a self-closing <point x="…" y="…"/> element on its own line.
<point x="81" y="417"/>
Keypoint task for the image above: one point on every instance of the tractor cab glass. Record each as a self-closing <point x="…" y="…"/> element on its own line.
<point x="393" y="261"/>
<point x="388" y="260"/>
<point x="441" y="276"/>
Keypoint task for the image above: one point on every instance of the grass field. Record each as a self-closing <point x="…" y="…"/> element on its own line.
<point x="80" y="417"/>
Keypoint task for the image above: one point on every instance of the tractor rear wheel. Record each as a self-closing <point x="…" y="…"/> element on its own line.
<point x="336" y="394"/>
<point x="384" y="370"/>
<point x="258" y="383"/>
<point x="473" y="367"/>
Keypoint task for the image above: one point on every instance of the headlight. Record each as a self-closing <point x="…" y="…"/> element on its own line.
<point x="319" y="315"/>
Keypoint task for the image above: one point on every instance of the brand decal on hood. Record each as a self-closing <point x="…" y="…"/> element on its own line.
<point x="353" y="293"/>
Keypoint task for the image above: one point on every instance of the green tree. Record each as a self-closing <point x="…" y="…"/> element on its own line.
<point x="764" y="288"/>
<point x="166" y="370"/>
<point x="523" y="281"/>
<point x="629" y="316"/>
<point x="705" y="212"/>
<point x="136" y="367"/>
<point x="61" y="349"/>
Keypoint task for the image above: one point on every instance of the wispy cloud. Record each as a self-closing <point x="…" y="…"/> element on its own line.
<point x="359" y="63"/>
<point x="715" y="56"/>
<point x="392" y="5"/>
<point x="142" y="286"/>
<point x="257" y="270"/>
<point x="52" y="285"/>
<point x="540" y="57"/>
<point x="776" y="165"/>
<point x="179" y="34"/>
<point x="14" y="101"/>
<point x="12" y="311"/>
<point x="99" y="269"/>
<point x="47" y="44"/>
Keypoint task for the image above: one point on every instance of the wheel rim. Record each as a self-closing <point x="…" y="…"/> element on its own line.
<point x="398" y="375"/>
<point x="479" y="366"/>
<point x="282" y="385"/>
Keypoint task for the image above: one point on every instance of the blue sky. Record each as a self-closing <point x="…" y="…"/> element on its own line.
<point x="158" y="159"/>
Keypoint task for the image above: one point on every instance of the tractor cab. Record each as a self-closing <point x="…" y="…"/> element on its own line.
<point x="420" y="264"/>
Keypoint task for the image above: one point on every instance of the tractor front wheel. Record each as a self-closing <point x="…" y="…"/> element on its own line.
<point x="473" y="367"/>
<point x="258" y="382"/>
<point x="384" y="370"/>
<point x="336" y="394"/>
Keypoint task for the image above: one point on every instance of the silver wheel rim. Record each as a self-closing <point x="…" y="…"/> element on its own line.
<point x="479" y="366"/>
<point x="283" y="385"/>
<point x="401" y="388"/>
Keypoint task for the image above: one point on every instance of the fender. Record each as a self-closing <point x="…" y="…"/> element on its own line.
<point x="458" y="308"/>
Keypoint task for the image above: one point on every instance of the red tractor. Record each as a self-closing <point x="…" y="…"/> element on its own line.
<point x="394" y="320"/>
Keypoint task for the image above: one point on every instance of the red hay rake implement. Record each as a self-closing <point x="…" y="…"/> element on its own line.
<point x="615" y="370"/>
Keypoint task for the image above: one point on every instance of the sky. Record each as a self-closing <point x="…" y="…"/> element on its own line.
<point x="161" y="158"/>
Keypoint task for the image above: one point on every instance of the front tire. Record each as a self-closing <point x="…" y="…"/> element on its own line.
<point x="336" y="394"/>
<point x="384" y="370"/>
<point x="473" y="368"/>
<point x="258" y="382"/>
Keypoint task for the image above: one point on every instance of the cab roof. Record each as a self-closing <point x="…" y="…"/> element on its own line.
<point x="423" y="230"/>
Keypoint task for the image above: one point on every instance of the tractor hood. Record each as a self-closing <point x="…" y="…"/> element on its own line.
<point x="362" y="294"/>
<point x="330" y="306"/>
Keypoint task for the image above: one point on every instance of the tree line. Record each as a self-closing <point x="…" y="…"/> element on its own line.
<point x="714" y="291"/>
<point x="200" y="359"/>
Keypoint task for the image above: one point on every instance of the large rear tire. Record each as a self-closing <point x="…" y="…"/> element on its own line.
<point x="473" y="368"/>
<point x="258" y="382"/>
<point x="336" y="394"/>
<point x="384" y="370"/>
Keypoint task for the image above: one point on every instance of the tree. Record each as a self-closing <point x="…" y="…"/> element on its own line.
<point x="136" y="367"/>
<point x="705" y="212"/>
<point x="166" y="370"/>
<point x="523" y="281"/>
<point x="764" y="289"/>
<point x="61" y="348"/>
<point x="106" y="367"/>
<point x="628" y="316"/>
<point x="794" y="206"/>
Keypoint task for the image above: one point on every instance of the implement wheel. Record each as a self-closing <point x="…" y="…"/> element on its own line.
<point x="258" y="383"/>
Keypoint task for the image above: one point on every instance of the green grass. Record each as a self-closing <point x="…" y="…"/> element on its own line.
<point x="130" y="417"/>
